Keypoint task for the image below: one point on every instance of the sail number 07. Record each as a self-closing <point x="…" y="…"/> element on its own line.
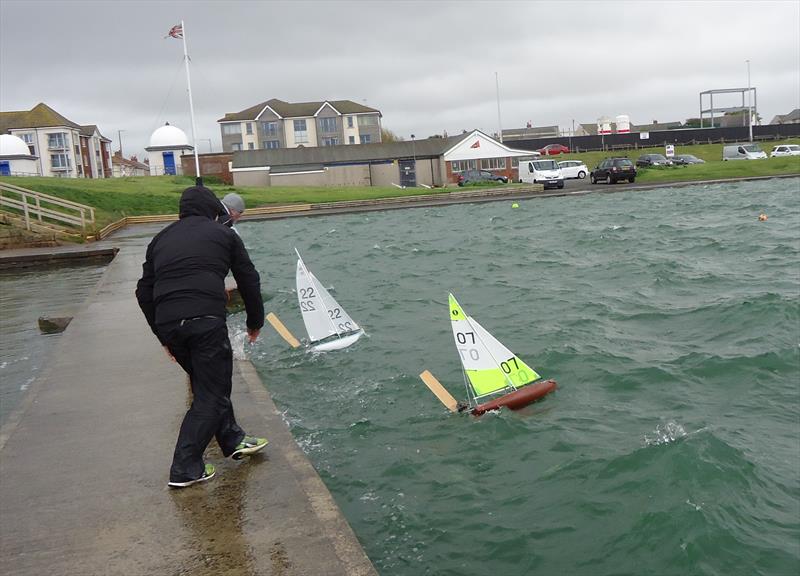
<point x="467" y="338"/>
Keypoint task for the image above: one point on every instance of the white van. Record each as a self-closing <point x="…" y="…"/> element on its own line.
<point x="541" y="171"/>
<point x="747" y="151"/>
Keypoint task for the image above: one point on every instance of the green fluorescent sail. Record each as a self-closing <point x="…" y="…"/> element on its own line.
<point x="490" y="366"/>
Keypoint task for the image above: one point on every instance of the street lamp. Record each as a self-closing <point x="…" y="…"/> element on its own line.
<point x="749" y="102"/>
<point x="414" y="151"/>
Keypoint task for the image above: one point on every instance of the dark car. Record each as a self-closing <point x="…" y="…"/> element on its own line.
<point x="553" y="150"/>
<point x="471" y="176"/>
<point x="652" y="160"/>
<point x="613" y="170"/>
<point x="683" y="159"/>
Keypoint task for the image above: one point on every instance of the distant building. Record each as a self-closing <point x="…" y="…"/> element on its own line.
<point x="431" y="162"/>
<point x="63" y="148"/>
<point x="655" y="126"/>
<point x="167" y="145"/>
<point x="792" y="117"/>
<point x="15" y="157"/>
<point x="277" y="124"/>
<point x="128" y="167"/>
<point x="530" y="132"/>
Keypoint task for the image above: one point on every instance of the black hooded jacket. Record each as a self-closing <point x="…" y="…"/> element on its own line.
<point x="183" y="275"/>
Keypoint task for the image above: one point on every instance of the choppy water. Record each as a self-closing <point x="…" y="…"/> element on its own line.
<point x="671" y="320"/>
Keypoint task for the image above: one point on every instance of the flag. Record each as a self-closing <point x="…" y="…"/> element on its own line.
<point x="176" y="31"/>
<point x="477" y="144"/>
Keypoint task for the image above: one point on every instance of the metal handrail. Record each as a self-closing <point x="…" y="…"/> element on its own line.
<point x="29" y="203"/>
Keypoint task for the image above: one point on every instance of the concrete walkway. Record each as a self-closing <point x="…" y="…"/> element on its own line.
<point x="84" y="464"/>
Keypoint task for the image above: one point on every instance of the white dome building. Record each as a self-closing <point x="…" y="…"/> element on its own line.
<point x="167" y="145"/>
<point x="15" y="157"/>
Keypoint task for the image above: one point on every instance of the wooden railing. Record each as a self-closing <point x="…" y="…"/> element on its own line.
<point x="36" y="207"/>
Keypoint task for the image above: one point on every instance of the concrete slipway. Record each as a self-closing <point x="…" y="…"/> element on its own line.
<point x="84" y="464"/>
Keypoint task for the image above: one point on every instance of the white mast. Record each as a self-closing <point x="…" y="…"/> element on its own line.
<point x="191" y="104"/>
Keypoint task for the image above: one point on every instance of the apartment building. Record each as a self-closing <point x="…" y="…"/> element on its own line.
<point x="277" y="124"/>
<point x="63" y="148"/>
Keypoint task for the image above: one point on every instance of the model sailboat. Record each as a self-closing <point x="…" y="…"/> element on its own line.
<point x="328" y="326"/>
<point x="490" y="369"/>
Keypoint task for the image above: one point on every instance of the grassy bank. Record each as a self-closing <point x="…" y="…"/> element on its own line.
<point x="114" y="198"/>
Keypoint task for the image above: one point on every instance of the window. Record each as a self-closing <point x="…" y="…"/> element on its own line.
<point x="249" y="126"/>
<point x="350" y="122"/>
<point x="327" y="124"/>
<point x="300" y="133"/>
<point x="493" y="163"/>
<point x="351" y="139"/>
<point x="27" y="138"/>
<point x="269" y="129"/>
<point x="330" y="141"/>
<point x="462" y="165"/>
<point x="230" y="129"/>
<point x="366" y="138"/>
<point x="270" y="144"/>
<point x="57" y="140"/>
<point x="59" y="161"/>
<point x="251" y="146"/>
<point x="236" y="146"/>
<point x="369" y="120"/>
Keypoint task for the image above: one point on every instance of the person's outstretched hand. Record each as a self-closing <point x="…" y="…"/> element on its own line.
<point x="252" y="334"/>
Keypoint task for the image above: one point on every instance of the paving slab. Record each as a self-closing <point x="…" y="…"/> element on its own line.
<point x="84" y="463"/>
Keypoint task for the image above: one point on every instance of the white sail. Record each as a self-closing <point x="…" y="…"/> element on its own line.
<point x="323" y="316"/>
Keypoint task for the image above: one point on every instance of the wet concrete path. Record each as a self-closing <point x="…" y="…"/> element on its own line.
<point x="84" y="463"/>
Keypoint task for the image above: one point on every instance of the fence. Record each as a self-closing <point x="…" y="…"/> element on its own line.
<point x="35" y="207"/>
<point x="679" y="137"/>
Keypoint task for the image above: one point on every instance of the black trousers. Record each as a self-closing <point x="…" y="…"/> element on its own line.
<point x="202" y="348"/>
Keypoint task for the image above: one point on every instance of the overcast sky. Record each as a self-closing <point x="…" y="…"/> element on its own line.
<point x="427" y="66"/>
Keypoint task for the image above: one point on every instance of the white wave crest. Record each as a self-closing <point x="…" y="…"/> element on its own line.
<point x="664" y="434"/>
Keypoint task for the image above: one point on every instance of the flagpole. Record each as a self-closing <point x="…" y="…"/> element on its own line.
<point x="191" y="107"/>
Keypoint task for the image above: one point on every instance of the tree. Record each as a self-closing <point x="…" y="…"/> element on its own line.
<point x="389" y="136"/>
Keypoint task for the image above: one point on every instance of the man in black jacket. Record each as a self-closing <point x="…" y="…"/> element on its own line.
<point x="182" y="294"/>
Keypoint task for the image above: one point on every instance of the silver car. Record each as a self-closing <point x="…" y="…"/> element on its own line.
<point x="785" y="150"/>
<point x="573" y="169"/>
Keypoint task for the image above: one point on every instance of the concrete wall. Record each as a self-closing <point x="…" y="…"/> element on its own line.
<point x="256" y="178"/>
<point x="385" y="174"/>
<point x="302" y="179"/>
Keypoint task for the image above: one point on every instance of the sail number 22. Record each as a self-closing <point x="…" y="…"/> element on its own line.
<point x="305" y="299"/>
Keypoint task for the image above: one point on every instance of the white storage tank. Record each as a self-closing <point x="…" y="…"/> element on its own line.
<point x="604" y="125"/>
<point x="623" y="124"/>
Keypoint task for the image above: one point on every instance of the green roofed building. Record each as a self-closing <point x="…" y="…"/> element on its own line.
<point x="277" y="124"/>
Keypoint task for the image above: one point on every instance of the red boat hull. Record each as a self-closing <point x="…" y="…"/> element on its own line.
<point x="518" y="398"/>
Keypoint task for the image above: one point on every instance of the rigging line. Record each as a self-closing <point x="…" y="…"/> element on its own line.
<point x="507" y="377"/>
<point x="169" y="93"/>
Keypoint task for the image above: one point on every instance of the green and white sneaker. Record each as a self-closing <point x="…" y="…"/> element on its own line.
<point x="208" y="474"/>
<point x="248" y="445"/>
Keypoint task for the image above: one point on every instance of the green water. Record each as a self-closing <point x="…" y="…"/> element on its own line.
<point x="670" y="319"/>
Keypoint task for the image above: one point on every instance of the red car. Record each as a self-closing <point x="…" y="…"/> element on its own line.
<point x="553" y="149"/>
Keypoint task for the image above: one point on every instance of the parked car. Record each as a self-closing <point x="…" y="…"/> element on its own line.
<point x="785" y="150"/>
<point x="652" y="160"/>
<point x="470" y="176"/>
<point x="684" y="159"/>
<point x="613" y="170"/>
<point x="573" y="169"/>
<point x="553" y="150"/>
<point x="743" y="152"/>
<point x="544" y="171"/>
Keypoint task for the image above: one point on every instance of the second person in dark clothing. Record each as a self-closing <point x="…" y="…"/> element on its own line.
<point x="182" y="294"/>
